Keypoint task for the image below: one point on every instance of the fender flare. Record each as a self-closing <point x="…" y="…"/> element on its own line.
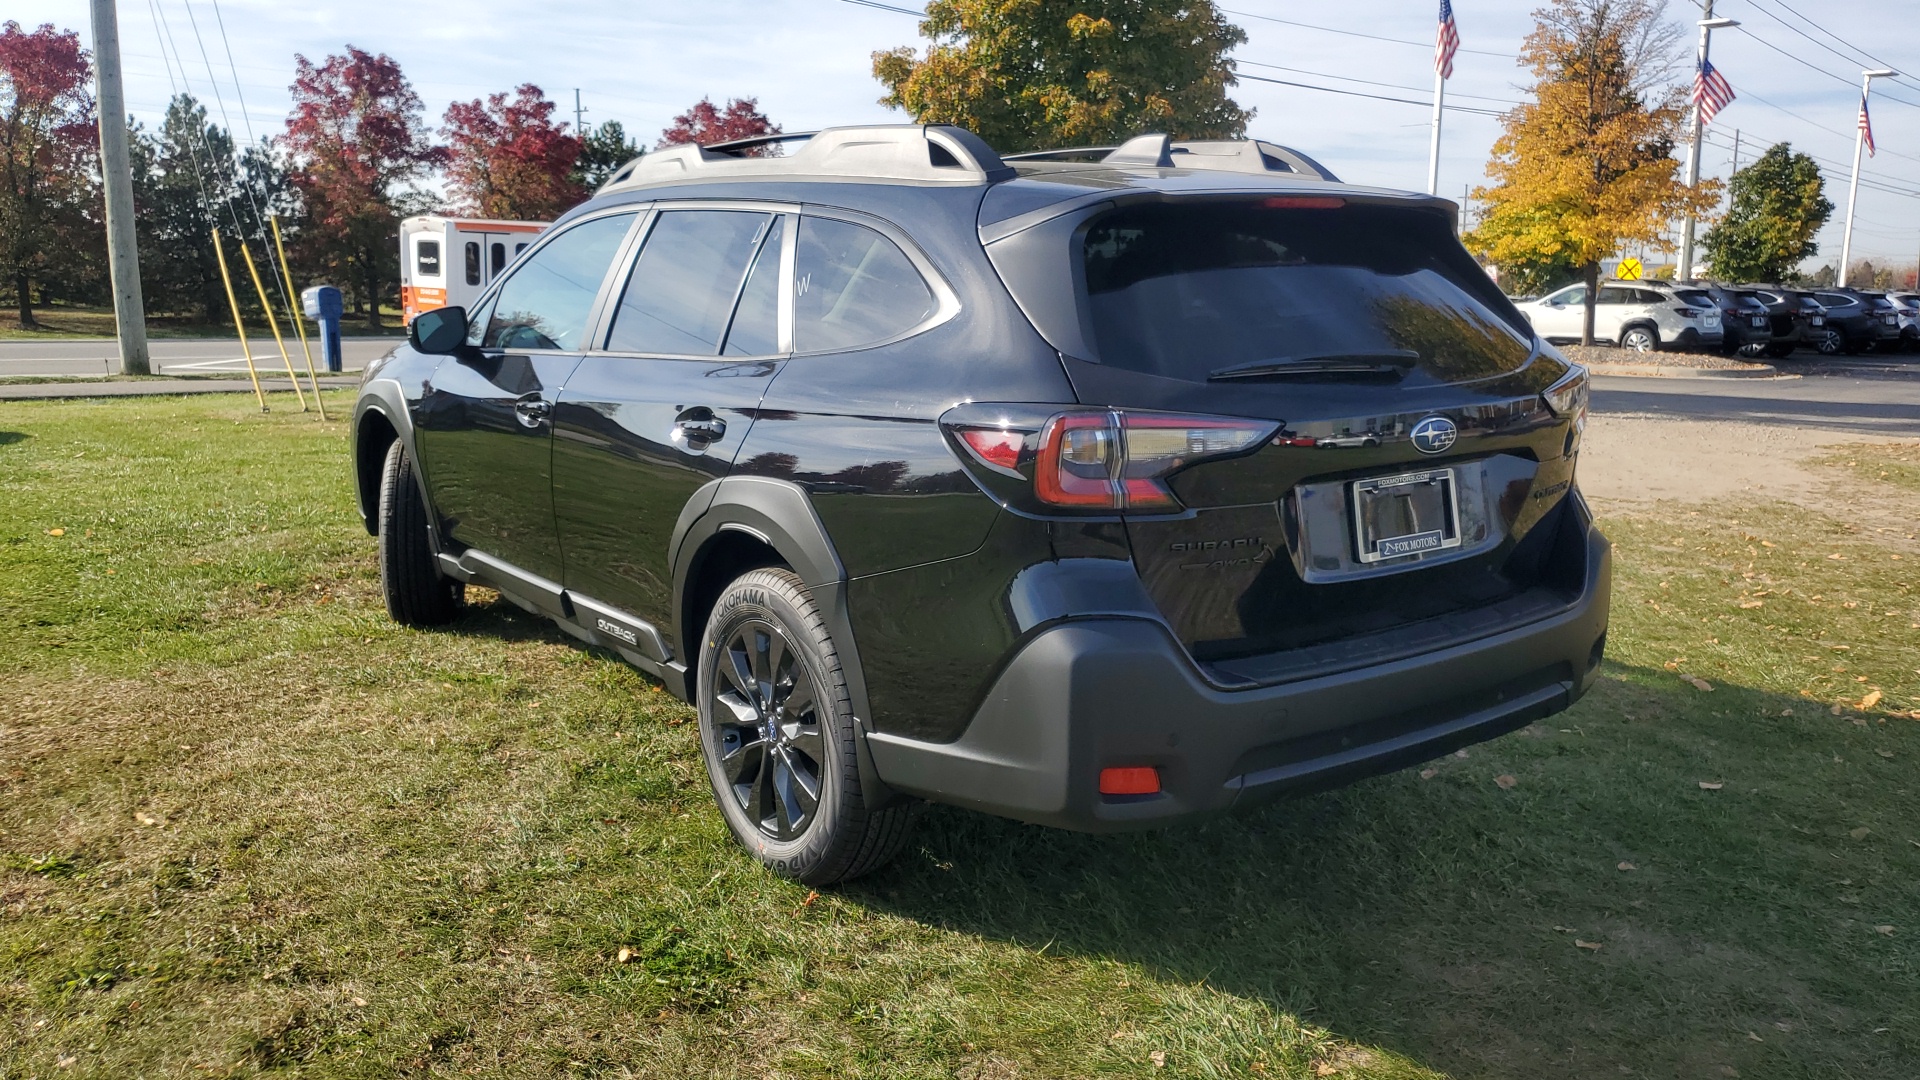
<point x="780" y="514"/>
<point x="389" y="400"/>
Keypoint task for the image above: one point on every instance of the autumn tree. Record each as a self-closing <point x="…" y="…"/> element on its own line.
<point x="707" y="123"/>
<point x="358" y="149"/>
<point x="48" y="173"/>
<point x="1778" y="204"/>
<point x="1588" y="165"/>
<point x="602" y="150"/>
<point x="1027" y="74"/>
<point x="506" y="158"/>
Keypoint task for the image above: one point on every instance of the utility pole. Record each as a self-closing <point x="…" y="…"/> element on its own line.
<point x="1708" y="25"/>
<point x="579" y="110"/>
<point x="1736" y="149"/>
<point x="123" y="255"/>
<point x="1853" y="186"/>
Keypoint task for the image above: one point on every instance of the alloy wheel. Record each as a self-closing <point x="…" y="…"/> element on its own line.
<point x="767" y="725"/>
<point x="1638" y="340"/>
<point x="1832" y="342"/>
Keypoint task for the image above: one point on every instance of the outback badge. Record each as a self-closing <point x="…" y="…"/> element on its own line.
<point x="1434" y="434"/>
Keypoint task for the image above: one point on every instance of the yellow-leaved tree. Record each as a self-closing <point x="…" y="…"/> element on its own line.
<point x="1588" y="165"/>
<point x="1029" y="74"/>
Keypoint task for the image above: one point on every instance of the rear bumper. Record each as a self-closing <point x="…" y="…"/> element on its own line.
<point x="1695" y="336"/>
<point x="1110" y="692"/>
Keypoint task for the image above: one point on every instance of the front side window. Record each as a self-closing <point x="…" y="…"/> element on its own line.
<point x="427" y="258"/>
<point x="1575" y="295"/>
<point x="853" y="287"/>
<point x="545" y="304"/>
<point x="499" y="257"/>
<point x="683" y="286"/>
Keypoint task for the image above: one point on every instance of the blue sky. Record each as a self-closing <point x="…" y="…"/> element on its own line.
<point x="640" y="62"/>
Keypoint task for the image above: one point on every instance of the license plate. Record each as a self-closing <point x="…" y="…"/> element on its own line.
<point x="1759" y="320"/>
<point x="1405" y="514"/>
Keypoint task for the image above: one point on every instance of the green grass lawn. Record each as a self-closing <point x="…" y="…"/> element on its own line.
<point x="65" y="321"/>
<point x="249" y="826"/>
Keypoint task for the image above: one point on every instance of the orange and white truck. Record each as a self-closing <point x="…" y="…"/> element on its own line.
<point x="450" y="260"/>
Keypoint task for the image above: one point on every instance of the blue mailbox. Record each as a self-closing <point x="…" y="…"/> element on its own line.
<point x="324" y="305"/>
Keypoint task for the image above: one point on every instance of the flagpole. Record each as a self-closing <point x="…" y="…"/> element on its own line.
<point x="1708" y="24"/>
<point x="1433" y="153"/>
<point x="1853" y="186"/>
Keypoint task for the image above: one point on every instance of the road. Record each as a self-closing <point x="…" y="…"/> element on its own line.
<point x="1868" y="406"/>
<point x="175" y="356"/>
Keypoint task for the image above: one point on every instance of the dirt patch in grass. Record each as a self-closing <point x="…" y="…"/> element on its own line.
<point x="248" y="826"/>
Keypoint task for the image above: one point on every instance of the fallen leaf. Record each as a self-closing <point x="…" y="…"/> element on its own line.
<point x="1755" y="1037"/>
<point x="1591" y="946"/>
<point x="1888" y="754"/>
<point x="1459" y="753"/>
<point x="1159" y="1059"/>
<point x="1883" y="929"/>
<point x="1505" y="780"/>
<point x="1838" y="710"/>
<point x="624" y="955"/>
<point x="811" y="897"/>
<point x="1868" y="702"/>
<point x="1428" y="774"/>
<point x="145" y="818"/>
<point x="1696" y="682"/>
<point x="1749" y="605"/>
<point x="1626" y="866"/>
<point x="56" y="532"/>
<point x="1859" y="833"/>
<point x="1564" y="929"/>
<point x="1711" y="785"/>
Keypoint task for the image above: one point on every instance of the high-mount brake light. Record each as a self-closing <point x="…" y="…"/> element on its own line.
<point x="1118" y="460"/>
<point x="1303" y="202"/>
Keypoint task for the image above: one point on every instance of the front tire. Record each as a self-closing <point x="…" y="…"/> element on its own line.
<point x="417" y="594"/>
<point x="777" y="733"/>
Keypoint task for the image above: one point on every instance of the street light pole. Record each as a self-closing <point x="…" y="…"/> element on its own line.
<point x="123" y="258"/>
<point x="1853" y="186"/>
<point x="1707" y="26"/>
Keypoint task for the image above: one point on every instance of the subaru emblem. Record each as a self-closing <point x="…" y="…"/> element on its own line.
<point x="1434" y="434"/>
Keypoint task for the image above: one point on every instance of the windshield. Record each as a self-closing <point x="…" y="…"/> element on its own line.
<point x="1181" y="291"/>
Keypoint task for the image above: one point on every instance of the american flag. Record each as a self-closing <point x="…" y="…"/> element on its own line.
<point x="1449" y="42"/>
<point x="1710" y="92"/>
<point x="1866" y="126"/>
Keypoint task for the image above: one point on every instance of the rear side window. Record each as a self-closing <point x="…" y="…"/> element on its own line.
<point x="1648" y="296"/>
<point x="545" y="304"/>
<point x="853" y="287"/>
<point x="427" y="258"/>
<point x="473" y="262"/>
<point x="686" y="281"/>
<point x="1182" y="291"/>
<point x="1835" y="299"/>
<point x="1616" y="296"/>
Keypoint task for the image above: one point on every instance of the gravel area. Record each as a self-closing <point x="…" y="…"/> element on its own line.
<point x="1607" y="354"/>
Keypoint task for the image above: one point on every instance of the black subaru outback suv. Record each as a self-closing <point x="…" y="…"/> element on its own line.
<point x="1096" y="493"/>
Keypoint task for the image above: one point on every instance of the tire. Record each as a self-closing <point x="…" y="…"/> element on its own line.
<point x="1754" y="348"/>
<point x="417" y="594"/>
<point x="1780" y="350"/>
<point x="1640" y="339"/>
<point x="1832" y="342"/>
<point x="765" y="646"/>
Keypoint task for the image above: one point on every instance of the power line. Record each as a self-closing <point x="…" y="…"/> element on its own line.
<point x="1843" y="80"/>
<point x="1369" y="82"/>
<point x="887" y="7"/>
<point x="1376" y="97"/>
<point x="1347" y="33"/>
<point x="1849" y="59"/>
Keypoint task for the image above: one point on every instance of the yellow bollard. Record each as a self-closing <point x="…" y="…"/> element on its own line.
<point x="273" y="324"/>
<point x="238" y="326"/>
<point x="286" y="274"/>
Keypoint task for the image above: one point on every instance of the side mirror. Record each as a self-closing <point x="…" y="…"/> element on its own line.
<point x="439" y="332"/>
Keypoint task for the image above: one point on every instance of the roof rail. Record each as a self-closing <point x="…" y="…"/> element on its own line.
<point x="913" y="153"/>
<point x="1157" y="151"/>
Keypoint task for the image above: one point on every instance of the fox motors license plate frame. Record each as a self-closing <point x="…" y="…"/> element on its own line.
<point x="1410" y="513"/>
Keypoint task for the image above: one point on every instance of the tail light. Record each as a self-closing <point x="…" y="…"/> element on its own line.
<point x="1686" y="311"/>
<point x="1568" y="397"/>
<point x="1095" y="459"/>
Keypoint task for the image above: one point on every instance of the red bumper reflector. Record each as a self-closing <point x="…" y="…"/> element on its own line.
<point x="1130" y="781"/>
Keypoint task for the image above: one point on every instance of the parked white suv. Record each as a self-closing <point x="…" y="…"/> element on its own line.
<point x="1638" y="315"/>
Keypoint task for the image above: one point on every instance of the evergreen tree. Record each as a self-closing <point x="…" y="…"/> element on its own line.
<point x="1778" y="205"/>
<point x="602" y="150"/>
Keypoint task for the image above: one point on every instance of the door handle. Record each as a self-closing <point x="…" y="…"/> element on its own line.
<point x="700" y="429"/>
<point x="532" y="410"/>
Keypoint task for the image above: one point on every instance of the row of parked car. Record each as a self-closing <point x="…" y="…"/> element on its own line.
<point x="1752" y="320"/>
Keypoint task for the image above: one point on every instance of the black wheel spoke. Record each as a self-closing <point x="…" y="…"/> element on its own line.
<point x="759" y="803"/>
<point x="797" y="796"/>
<point x="733" y="666"/>
<point x="807" y="742"/>
<point x="746" y="755"/>
<point x="799" y="698"/>
<point x="759" y="641"/>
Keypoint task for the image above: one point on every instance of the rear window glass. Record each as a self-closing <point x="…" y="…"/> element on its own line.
<point x="1184" y="291"/>
<point x="1696" y="297"/>
<point x="853" y="287"/>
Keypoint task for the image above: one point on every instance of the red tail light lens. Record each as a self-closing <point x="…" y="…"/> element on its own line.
<point x="1134" y="780"/>
<point x="1117" y="460"/>
<point x="999" y="448"/>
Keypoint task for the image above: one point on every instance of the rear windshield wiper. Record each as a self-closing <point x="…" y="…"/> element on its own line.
<point x="1391" y="361"/>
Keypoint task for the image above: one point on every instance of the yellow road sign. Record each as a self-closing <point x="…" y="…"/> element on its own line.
<point x="1630" y="270"/>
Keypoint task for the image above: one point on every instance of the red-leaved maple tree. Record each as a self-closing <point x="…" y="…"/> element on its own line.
<point x="508" y="159"/>
<point x="47" y="148"/>
<point x="707" y="123"/>
<point x="358" y="145"/>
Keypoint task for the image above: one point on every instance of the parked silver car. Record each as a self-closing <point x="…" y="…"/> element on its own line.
<point x="1638" y="315"/>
